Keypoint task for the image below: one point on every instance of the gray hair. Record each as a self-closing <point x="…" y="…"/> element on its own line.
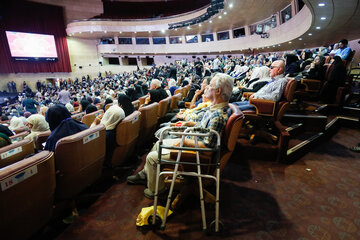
<point x="226" y="83"/>
<point x="156" y="82"/>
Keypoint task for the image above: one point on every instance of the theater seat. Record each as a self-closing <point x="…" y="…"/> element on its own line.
<point x="228" y="144"/>
<point x="100" y="105"/>
<point x="88" y="119"/>
<point x="78" y="116"/>
<point x="79" y="159"/>
<point x="136" y="104"/>
<point x="26" y="196"/>
<point x="148" y="122"/>
<point x="107" y="106"/>
<point x="18" y="137"/>
<point x="127" y="133"/>
<point x="268" y="112"/>
<point x="40" y="139"/>
<point x="142" y="99"/>
<point x="21" y="129"/>
<point x="174" y="101"/>
<point x="163" y="107"/>
<point x="15" y="152"/>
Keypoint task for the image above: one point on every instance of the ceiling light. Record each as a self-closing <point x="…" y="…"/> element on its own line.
<point x="289" y="42"/>
<point x="163" y="31"/>
<point x="120" y="32"/>
<point x="310" y="34"/>
<point x="317" y="27"/>
<point x="91" y="31"/>
<point x="321" y="4"/>
<point x="279" y="45"/>
<point x="268" y="47"/>
<point x="210" y="21"/>
<point x="188" y="27"/>
<point x="175" y="29"/>
<point x="300" y="39"/>
<point x="149" y="31"/>
<point x="225" y="13"/>
<point x="220" y="17"/>
<point x="323" y="18"/>
<point x="199" y="24"/>
<point x="231" y="5"/>
<point x="134" y="32"/>
<point x="105" y="31"/>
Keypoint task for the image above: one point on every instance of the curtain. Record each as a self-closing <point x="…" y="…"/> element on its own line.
<point x="29" y="17"/>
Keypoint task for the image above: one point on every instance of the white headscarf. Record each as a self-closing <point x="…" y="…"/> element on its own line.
<point x="69" y="107"/>
<point x="16" y="123"/>
<point x="38" y="122"/>
<point x="112" y="117"/>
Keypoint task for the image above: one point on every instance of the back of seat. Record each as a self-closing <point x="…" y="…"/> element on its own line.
<point x="15" y="152"/>
<point x="78" y="160"/>
<point x="26" y="195"/>
<point x="163" y="107"/>
<point x="40" y="139"/>
<point x="88" y="119"/>
<point x="174" y="100"/>
<point x="148" y="122"/>
<point x="78" y="116"/>
<point x="127" y="133"/>
<point x="18" y="137"/>
<point x="136" y="104"/>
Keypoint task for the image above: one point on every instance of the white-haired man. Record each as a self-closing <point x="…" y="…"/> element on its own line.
<point x="156" y="93"/>
<point x="218" y="92"/>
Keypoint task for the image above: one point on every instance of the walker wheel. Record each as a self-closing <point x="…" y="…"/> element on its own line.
<point x="212" y="227"/>
<point x="158" y="221"/>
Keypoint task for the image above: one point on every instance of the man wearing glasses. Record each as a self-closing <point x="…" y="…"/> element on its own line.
<point x="273" y="90"/>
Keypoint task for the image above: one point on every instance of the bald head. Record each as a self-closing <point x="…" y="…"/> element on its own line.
<point x="277" y="68"/>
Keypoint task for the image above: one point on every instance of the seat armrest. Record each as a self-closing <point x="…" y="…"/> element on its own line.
<point x="311" y="85"/>
<point x="263" y="107"/>
<point x="247" y="94"/>
<point x="187" y="104"/>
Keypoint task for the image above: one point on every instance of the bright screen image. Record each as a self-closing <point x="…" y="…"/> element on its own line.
<point x="30" y="45"/>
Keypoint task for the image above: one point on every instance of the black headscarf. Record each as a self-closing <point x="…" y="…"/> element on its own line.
<point x="84" y="104"/>
<point x="125" y="103"/>
<point x="90" y="108"/>
<point x="61" y="125"/>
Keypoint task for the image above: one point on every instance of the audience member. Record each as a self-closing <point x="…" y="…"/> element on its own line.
<point x="61" y="125"/>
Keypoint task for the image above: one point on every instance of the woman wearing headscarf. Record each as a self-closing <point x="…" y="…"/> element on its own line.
<point x="61" y="125"/>
<point x="317" y="69"/>
<point x="69" y="107"/>
<point x="43" y="110"/>
<point x="4" y="140"/>
<point x="336" y="80"/>
<point x="37" y="124"/>
<point x="90" y="109"/>
<point x="107" y="101"/>
<point x="110" y="119"/>
<point x="292" y="67"/>
<point x="125" y="103"/>
<point x="5" y="130"/>
<point x="16" y="123"/>
<point x="84" y="104"/>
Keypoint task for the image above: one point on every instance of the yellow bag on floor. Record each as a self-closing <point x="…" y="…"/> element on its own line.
<point x="143" y="218"/>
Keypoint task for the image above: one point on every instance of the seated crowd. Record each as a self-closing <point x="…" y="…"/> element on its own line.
<point x="212" y="85"/>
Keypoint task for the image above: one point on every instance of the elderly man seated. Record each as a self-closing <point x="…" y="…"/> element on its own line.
<point x="218" y="92"/>
<point x="273" y="90"/>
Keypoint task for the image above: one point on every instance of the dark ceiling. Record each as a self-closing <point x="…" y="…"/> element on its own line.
<point x="148" y="9"/>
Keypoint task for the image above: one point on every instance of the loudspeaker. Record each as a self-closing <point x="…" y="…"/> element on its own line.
<point x="80" y="67"/>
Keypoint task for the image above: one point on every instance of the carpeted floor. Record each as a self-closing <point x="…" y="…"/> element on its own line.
<point x="317" y="197"/>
